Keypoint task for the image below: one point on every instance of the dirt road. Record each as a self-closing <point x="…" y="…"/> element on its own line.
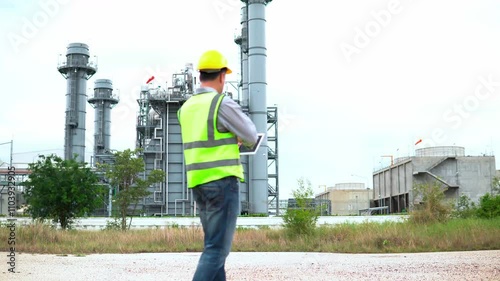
<point x="476" y="265"/>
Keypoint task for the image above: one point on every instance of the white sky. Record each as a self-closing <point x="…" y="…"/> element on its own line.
<point x="416" y="75"/>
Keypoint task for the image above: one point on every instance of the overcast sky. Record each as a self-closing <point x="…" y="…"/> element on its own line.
<point x="353" y="80"/>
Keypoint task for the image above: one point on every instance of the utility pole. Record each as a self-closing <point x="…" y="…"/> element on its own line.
<point x="357" y="207"/>
<point x="11" y="150"/>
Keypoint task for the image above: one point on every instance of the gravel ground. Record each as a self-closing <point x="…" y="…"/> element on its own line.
<point x="474" y="265"/>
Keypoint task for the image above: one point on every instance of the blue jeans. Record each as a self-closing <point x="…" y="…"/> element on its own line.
<point x="218" y="202"/>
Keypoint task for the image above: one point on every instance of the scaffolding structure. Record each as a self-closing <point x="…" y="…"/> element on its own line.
<point x="272" y="157"/>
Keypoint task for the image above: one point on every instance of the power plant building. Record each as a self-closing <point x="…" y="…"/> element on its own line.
<point x="159" y="138"/>
<point x="446" y="165"/>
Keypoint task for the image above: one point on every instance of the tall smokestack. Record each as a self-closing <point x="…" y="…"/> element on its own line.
<point x="244" y="56"/>
<point x="77" y="69"/>
<point x="242" y="41"/>
<point x="102" y="101"/>
<point x="257" y="101"/>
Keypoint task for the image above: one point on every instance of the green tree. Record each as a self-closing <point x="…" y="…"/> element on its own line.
<point x="433" y="206"/>
<point x="124" y="176"/>
<point x="301" y="217"/>
<point x="61" y="190"/>
<point x="489" y="206"/>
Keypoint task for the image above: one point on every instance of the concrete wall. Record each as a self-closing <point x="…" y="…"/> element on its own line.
<point x="441" y="169"/>
<point x="392" y="186"/>
<point x="475" y="175"/>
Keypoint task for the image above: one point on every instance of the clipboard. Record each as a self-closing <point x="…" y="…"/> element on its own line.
<point x="244" y="150"/>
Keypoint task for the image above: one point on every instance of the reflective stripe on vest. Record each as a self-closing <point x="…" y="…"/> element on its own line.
<point x="209" y="154"/>
<point x="213" y="164"/>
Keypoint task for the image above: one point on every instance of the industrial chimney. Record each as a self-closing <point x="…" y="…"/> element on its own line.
<point x="242" y="40"/>
<point x="102" y="101"/>
<point x="77" y="69"/>
<point x="256" y="23"/>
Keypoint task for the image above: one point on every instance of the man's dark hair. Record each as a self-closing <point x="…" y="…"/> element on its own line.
<point x="210" y="76"/>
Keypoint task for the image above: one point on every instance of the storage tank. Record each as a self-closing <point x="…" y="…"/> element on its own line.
<point x="440" y="151"/>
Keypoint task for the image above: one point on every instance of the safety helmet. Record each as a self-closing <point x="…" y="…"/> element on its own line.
<point x="213" y="61"/>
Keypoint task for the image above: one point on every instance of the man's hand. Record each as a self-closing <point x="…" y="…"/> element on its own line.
<point x="240" y="142"/>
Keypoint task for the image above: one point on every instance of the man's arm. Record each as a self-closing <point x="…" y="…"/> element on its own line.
<point x="232" y="118"/>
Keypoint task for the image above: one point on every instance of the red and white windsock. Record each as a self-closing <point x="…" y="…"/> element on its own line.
<point x="419" y="141"/>
<point x="150" y="79"/>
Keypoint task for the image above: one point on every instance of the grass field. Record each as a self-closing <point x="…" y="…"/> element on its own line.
<point x="389" y="237"/>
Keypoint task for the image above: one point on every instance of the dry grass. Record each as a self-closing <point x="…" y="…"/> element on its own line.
<point x="455" y="235"/>
<point x="44" y="239"/>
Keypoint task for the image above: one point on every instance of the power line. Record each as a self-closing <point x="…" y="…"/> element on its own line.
<point x="28" y="152"/>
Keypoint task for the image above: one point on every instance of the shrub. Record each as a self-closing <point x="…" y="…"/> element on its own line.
<point x="433" y="207"/>
<point x="301" y="219"/>
<point x="489" y="206"/>
<point x="114" y="224"/>
<point x="464" y="208"/>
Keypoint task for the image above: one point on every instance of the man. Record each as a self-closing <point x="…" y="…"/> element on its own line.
<point x="213" y="126"/>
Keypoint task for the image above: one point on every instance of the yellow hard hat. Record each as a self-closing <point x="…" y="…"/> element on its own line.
<point x="212" y="61"/>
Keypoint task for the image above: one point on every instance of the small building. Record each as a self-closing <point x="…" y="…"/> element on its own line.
<point x="347" y="198"/>
<point x="456" y="173"/>
<point x="12" y="178"/>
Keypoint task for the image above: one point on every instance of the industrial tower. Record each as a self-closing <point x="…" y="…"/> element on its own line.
<point x="77" y="69"/>
<point x="102" y="101"/>
<point x="253" y="67"/>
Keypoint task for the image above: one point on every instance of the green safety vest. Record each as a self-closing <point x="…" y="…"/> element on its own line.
<point x="209" y="154"/>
